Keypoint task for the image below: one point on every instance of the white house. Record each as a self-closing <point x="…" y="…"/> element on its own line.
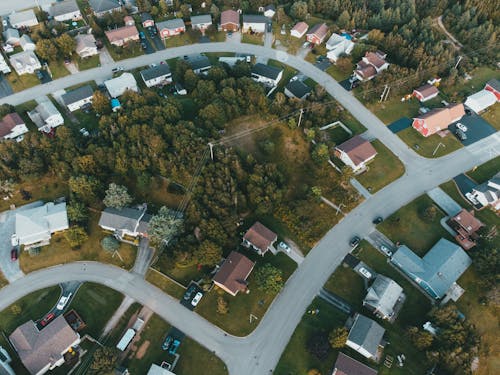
<point x="268" y="75"/>
<point x="4" y="67"/>
<point x="201" y="22"/>
<point x="26" y="43"/>
<point x="46" y="116"/>
<point x="365" y="337"/>
<point x="371" y="64"/>
<point x="337" y="46"/>
<point x="11" y="36"/>
<point x="77" y="98"/>
<point x="488" y="193"/>
<point x="480" y="101"/>
<point x="117" y="86"/>
<point x="299" y="30"/>
<point x="356" y="153"/>
<point x="12" y="126"/>
<point x="66" y="10"/>
<point x="25" y="62"/>
<point x="254" y="23"/>
<point x="85" y="45"/>
<point x="25" y="18"/>
<point x="125" y="222"/>
<point x="156" y="75"/>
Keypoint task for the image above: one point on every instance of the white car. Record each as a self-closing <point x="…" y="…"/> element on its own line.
<point x="461" y="126"/>
<point x="63" y="301"/>
<point x="14" y="240"/>
<point x="285" y="247"/>
<point x="386" y="250"/>
<point x="365" y="272"/>
<point x="84" y="132"/>
<point x="196" y="298"/>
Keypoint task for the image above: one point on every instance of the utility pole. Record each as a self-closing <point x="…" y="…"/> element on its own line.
<point x="458" y="62"/>
<point x="385" y="93"/>
<point x="300" y="116"/>
<point x="210" y="144"/>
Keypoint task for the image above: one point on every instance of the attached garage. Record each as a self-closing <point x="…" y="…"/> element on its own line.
<point x="480" y="101"/>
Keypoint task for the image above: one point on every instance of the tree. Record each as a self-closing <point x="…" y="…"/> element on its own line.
<point x="313" y="371"/>
<point x="85" y="187"/>
<point x="110" y="244"/>
<point x="143" y="5"/>
<point x="209" y="253"/>
<point x="163" y="8"/>
<point x="338" y="337"/>
<point x="316" y="193"/>
<point x="46" y="49"/>
<point x="318" y="345"/>
<point x="214" y="9"/>
<point x="66" y="44"/>
<point x="222" y="305"/>
<point x="117" y="196"/>
<point x="75" y="236"/>
<point x="344" y="19"/>
<point x="430" y="213"/>
<point x="321" y="153"/>
<point x="269" y="278"/>
<point x="421" y="339"/>
<point x="15" y="309"/>
<point x="104" y="360"/>
<point x="164" y="226"/>
<point x="100" y="103"/>
<point x="77" y="212"/>
<point x="7" y="187"/>
<point x="299" y="10"/>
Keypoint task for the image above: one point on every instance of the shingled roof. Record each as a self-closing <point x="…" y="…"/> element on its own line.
<point x="234" y="272"/>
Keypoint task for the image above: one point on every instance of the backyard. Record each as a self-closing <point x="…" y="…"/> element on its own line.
<point x="433" y="146"/>
<point x="464" y="88"/>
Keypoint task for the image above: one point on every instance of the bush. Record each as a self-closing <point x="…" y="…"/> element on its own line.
<point x="110" y="244"/>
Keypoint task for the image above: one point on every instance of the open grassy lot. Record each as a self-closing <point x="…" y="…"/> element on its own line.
<point x="290" y="43"/>
<point x="22" y="82"/>
<point x="347" y="284"/>
<point x="409" y="226"/>
<point x="156" y="278"/>
<point x="88" y="62"/>
<point x="485" y="171"/>
<point x="479" y="77"/>
<point x="492" y="115"/>
<point x="339" y="74"/>
<point x="58" y="69"/>
<point x="59" y="252"/>
<point x="194" y="359"/>
<point x="178" y="40"/>
<point x="256" y="302"/>
<point x="257" y="39"/>
<point x="427" y="146"/>
<point x="383" y="170"/>
<point x="393" y="109"/>
<point x="95" y="303"/>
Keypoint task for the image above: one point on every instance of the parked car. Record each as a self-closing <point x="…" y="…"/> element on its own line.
<point x="269" y="27"/>
<point x="47" y="319"/>
<point x="197" y="298"/>
<point x="63" y="301"/>
<point x="189" y="292"/>
<point x="14" y="240"/>
<point x="386" y="250"/>
<point x="461" y="126"/>
<point x="377" y="220"/>
<point x="168" y="341"/>
<point x="461" y="135"/>
<point x="117" y="69"/>
<point x="174" y="346"/>
<point x="141" y="35"/>
<point x="284" y="246"/>
<point x="13" y="254"/>
<point x="355" y="241"/>
<point x="39" y="75"/>
<point x="365" y="272"/>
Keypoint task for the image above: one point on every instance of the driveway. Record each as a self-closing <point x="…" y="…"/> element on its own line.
<point x="401" y="124"/>
<point x="72" y="68"/>
<point x="157" y="42"/>
<point x="377" y="239"/>
<point x="10" y="269"/>
<point x="104" y="57"/>
<point x="477" y="128"/>
<point x="444" y="201"/>
<point x="149" y="48"/>
<point x="268" y="39"/>
<point x="5" y="89"/>
<point x="144" y="256"/>
<point x="235" y="37"/>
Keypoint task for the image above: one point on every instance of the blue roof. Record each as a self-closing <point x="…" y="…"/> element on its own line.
<point x="115" y="103"/>
<point x="437" y="270"/>
<point x="347" y="36"/>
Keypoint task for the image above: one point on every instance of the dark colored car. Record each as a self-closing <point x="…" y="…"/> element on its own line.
<point x="166" y="344"/>
<point x="39" y="75"/>
<point x="13" y="254"/>
<point x="47" y="319"/>
<point x="141" y="35"/>
<point x="355" y="241"/>
<point x="189" y="292"/>
<point x="377" y="220"/>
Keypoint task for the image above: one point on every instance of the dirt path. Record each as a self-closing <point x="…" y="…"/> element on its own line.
<point x="456" y="43"/>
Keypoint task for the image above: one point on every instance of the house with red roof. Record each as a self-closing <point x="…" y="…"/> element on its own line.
<point x="12" y="126"/>
<point x="438" y="119"/>
<point x="356" y="153"/>
<point x="232" y="275"/>
<point x="259" y="238"/>
<point x="370" y="65"/>
<point x="346" y="365"/>
<point x="466" y="225"/>
<point x="317" y="34"/>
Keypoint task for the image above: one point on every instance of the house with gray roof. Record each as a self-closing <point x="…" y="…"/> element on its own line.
<point x="35" y="226"/>
<point x="11" y="36"/>
<point x="201" y="22"/>
<point x="437" y="271"/>
<point x="26" y="18"/>
<point x="101" y="7"/>
<point x="169" y="28"/>
<point x="366" y="337"/>
<point x="66" y="10"/>
<point x="254" y="23"/>
<point x="46" y="116"/>
<point x="487" y="193"/>
<point x="200" y="64"/>
<point x="383" y="296"/>
<point x="77" y="98"/>
<point x="26" y="43"/>
<point x="127" y="221"/>
<point x="297" y="89"/>
<point x="157" y="75"/>
<point x="25" y="62"/>
<point x="5" y="360"/>
<point x="266" y="74"/>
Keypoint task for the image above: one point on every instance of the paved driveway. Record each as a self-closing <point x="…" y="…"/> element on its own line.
<point x="104" y="57"/>
<point x="444" y="201"/>
<point x="5" y="89"/>
<point x="9" y="268"/>
<point x="477" y="128"/>
<point x="157" y="42"/>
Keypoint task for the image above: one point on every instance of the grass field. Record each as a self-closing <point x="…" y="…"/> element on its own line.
<point x="426" y="146"/>
<point x="123" y="53"/>
<point x="58" y="69"/>
<point x="383" y="170"/>
<point x="492" y="115"/>
<point x="169" y="287"/>
<point x="88" y="62"/>
<point x="257" y="39"/>
<point x="338" y="74"/>
<point x="178" y="41"/>
<point x="485" y="171"/>
<point x="22" y="82"/>
<point x="479" y="77"/>
<point x="393" y="109"/>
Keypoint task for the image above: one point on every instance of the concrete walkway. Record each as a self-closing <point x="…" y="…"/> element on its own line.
<point x="360" y="188"/>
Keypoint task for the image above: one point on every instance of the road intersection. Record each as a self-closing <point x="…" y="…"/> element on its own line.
<point x="258" y="353"/>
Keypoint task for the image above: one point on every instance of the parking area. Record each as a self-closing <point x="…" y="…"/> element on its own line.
<point x="189" y="296"/>
<point x="477" y="128"/>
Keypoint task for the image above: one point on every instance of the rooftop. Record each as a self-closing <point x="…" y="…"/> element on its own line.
<point x="122" y="33"/>
<point x="366" y="333"/>
<point x="63" y="7"/>
<point x="155" y="72"/>
<point x="176" y="23"/>
<point x="346" y="365"/>
<point x="266" y="71"/>
<point x="358" y="149"/>
<point x="234" y="272"/>
<point x="8" y="123"/>
<point x="230" y="16"/>
<point x="78" y="94"/>
<point x="255" y="18"/>
<point x="298" y="88"/>
<point x="260" y="236"/>
<point x="202" y="18"/>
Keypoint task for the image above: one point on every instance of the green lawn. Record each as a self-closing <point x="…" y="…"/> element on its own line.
<point x="291" y="43"/>
<point x="257" y="39"/>
<point x="338" y="74"/>
<point x="492" y="115"/>
<point x="95" y="303"/>
<point x="256" y="302"/>
<point x="169" y="287"/>
<point x="194" y="359"/>
<point x="88" y="62"/>
<point x="383" y="170"/>
<point x="409" y="226"/>
<point x="347" y="284"/>
<point x="393" y="109"/>
<point x="178" y="41"/>
<point x="485" y="171"/>
<point x="22" y="82"/>
<point x="479" y="77"/>
<point x="426" y="146"/>
<point x="58" y="69"/>
<point x="88" y="121"/>
<point x="123" y="53"/>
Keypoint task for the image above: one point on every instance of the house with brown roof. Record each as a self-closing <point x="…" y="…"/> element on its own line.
<point x="43" y="350"/>
<point x="370" y="65"/>
<point x="466" y="225"/>
<point x="85" y="45"/>
<point x="12" y="126"/>
<point x="425" y="92"/>
<point x="356" y="152"/>
<point x="232" y="275"/>
<point x="346" y="365"/>
<point x="260" y="238"/>
<point x="230" y="20"/>
<point x="317" y="34"/>
<point x="122" y="35"/>
<point x="299" y="30"/>
<point x="438" y="119"/>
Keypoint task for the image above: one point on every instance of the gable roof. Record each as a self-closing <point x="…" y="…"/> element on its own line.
<point x="301" y="27"/>
<point x="427" y="90"/>
<point x="260" y="236"/>
<point x="63" y="7"/>
<point x="202" y="18"/>
<point x="128" y="219"/>
<point x="230" y="16"/>
<point x="146" y="17"/>
<point x="24" y="59"/>
<point x="366" y="333"/>
<point x="375" y="59"/>
<point x="443" y="264"/>
<point x="266" y="71"/>
<point x="78" y="94"/>
<point x="46" y="109"/>
<point x="116" y="86"/>
<point x="104" y="5"/>
<point x="439" y="118"/>
<point x="358" y="149"/>
<point x="37" y="224"/>
<point x="346" y="365"/>
<point x="234" y="272"/>
<point x="468" y="221"/>
<point x="494" y="83"/>
<point x="254" y="18"/>
<point x="84" y="41"/>
<point x="383" y="294"/>
<point x="298" y="88"/>
<point x="11" y="33"/>
<point x="9" y="122"/>
<point x="320" y="30"/>
<point x="176" y="23"/>
<point x="23" y="16"/>
<point x="481" y="100"/>
<point x="122" y="33"/>
<point x="155" y="72"/>
<point x="37" y="348"/>
<point x="199" y="62"/>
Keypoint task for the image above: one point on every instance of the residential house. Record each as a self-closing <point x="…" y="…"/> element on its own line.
<point x="438" y="119"/>
<point x="4" y="67"/>
<point x="384" y="298"/>
<point x="493" y="85"/>
<point x="85" y="45"/>
<point x="25" y="62"/>
<point x="356" y="153"/>
<point x="66" y="10"/>
<point x="156" y="75"/>
<point x="200" y="64"/>
<point x="170" y="28"/>
<point x="346" y="365"/>
<point x="371" y="64"/>
<point x="260" y="238"/>
<point x="158" y="370"/>
<point x="117" y="86"/>
<point x="147" y="20"/>
<point x="103" y="7"/>
<point x="297" y="89"/>
<point x="230" y="20"/>
<point x="12" y="126"/>
<point x="268" y="75"/>
<point x="5" y="360"/>
<point x="131" y="6"/>
<point x="425" y="93"/>
<point x="26" y="18"/>
<point x="299" y="30"/>
<point x="11" y="36"/>
<point x="317" y="34"/>
<point x="35" y="226"/>
<point x="480" y="101"/>
<point x="132" y="222"/>
<point x="338" y="45"/>
<point x="366" y="337"/>
<point x="488" y="193"/>
<point x="232" y="275"/>
<point x="26" y="43"/>
<point x="269" y="11"/>
<point x="77" y="98"/>
<point x="43" y="350"/>
<point x="466" y="225"/>
<point x="254" y="23"/>
<point x="129" y="21"/>
<point x="201" y="22"/>
<point x="437" y="271"/>
<point x="7" y="48"/>
<point x="46" y="116"/>
<point x="180" y="90"/>
<point x="122" y="35"/>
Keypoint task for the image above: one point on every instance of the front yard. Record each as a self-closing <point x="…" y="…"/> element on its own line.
<point x="257" y="39"/>
<point x="433" y="146"/>
<point x="123" y="53"/>
<point x="492" y="115"/>
<point x="88" y="63"/>
<point x="393" y="109"/>
<point x="58" y="69"/>
<point x="159" y="280"/>
<point x="22" y="82"/>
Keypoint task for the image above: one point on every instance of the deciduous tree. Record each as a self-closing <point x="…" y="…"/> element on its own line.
<point x="75" y="236"/>
<point x="46" y="49"/>
<point x="338" y="337"/>
<point x="66" y="44"/>
<point x="117" y="196"/>
<point x="222" y="305"/>
<point x="103" y="360"/>
<point x="208" y="253"/>
<point x="110" y="244"/>
<point x="164" y="226"/>
<point x="77" y="212"/>
<point x="269" y="278"/>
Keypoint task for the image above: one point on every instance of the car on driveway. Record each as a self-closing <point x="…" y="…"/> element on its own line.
<point x="46" y="320"/>
<point x="13" y="254"/>
<point x="189" y="292"/>
<point x="386" y="250"/>
<point x="168" y="341"/>
<point x="174" y="347"/>
<point x="197" y="298"/>
<point x="365" y="272"/>
<point x="63" y="301"/>
<point x="461" y="126"/>
<point x="377" y="220"/>
<point x="461" y="135"/>
<point x="355" y="241"/>
<point x="282" y="245"/>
